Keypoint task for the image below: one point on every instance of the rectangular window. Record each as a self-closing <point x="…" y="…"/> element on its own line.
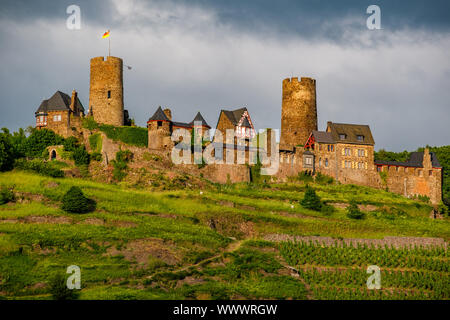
<point x="342" y="136"/>
<point x="326" y="162"/>
<point x="430" y="173"/>
<point x="348" y="152"/>
<point x="360" y="137"/>
<point x="329" y="148"/>
<point x="308" y="161"/>
<point x="332" y="148"/>
<point x="57" y="118"/>
<point x="159" y="124"/>
<point x="320" y="162"/>
<point x="109" y="94"/>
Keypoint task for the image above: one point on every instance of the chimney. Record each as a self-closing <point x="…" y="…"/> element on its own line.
<point x="427" y="158"/>
<point x="73" y="102"/>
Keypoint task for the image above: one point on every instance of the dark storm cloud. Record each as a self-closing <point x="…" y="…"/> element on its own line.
<point x="206" y="55"/>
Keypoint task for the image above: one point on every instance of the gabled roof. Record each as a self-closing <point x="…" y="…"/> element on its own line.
<point x="58" y="102"/>
<point x="352" y="131"/>
<point x="159" y="115"/>
<point x="245" y="123"/>
<point x="199" y="118"/>
<point x="323" y="136"/>
<point x="235" y="115"/>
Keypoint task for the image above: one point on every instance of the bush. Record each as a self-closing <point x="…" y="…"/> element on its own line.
<point x="96" y="156"/>
<point x="58" y="288"/>
<point x="311" y="200"/>
<point x="89" y="123"/>
<point x="95" y="142"/>
<point x="38" y="166"/>
<point x="70" y="144"/>
<point x="443" y="209"/>
<point x="323" y="179"/>
<point x="304" y="176"/>
<point x="6" y="154"/>
<point x="74" y="201"/>
<point x="135" y="136"/>
<point x="120" y="164"/>
<point x="39" y="140"/>
<point x="6" y="195"/>
<point x="353" y="211"/>
<point x="81" y="156"/>
<point x="327" y="209"/>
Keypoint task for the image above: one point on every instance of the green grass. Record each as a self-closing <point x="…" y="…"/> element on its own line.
<point x="35" y="243"/>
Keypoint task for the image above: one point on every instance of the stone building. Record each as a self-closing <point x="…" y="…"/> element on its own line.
<point x="61" y="113"/>
<point x="298" y="112"/>
<point x="160" y="128"/>
<point x="106" y="91"/>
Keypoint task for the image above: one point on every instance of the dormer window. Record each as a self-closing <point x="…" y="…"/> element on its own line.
<point x="360" y="137"/>
<point x="342" y="136"/>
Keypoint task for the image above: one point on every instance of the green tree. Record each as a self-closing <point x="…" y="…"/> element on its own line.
<point x="353" y="211"/>
<point x="6" y="153"/>
<point x="311" y="200"/>
<point x="39" y="140"/>
<point x="58" y="288"/>
<point x="75" y="201"/>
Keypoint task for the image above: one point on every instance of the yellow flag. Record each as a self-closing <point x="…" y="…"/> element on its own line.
<point x="106" y="34"/>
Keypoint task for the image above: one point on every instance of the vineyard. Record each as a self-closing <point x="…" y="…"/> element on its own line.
<point x="339" y="271"/>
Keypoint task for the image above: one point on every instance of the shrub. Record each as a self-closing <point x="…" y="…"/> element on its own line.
<point x="70" y="144"/>
<point x="443" y="209"/>
<point x="38" y="166"/>
<point x="74" y="201"/>
<point x="120" y="164"/>
<point x="305" y="176"/>
<point x="95" y="142"/>
<point x="135" y="136"/>
<point x="323" y="179"/>
<point x="89" y="123"/>
<point x="81" y="156"/>
<point x="327" y="209"/>
<point x="6" y="195"/>
<point x="96" y="156"/>
<point x="6" y="154"/>
<point x="353" y="211"/>
<point x="58" y="288"/>
<point x="311" y="200"/>
<point x="39" y="140"/>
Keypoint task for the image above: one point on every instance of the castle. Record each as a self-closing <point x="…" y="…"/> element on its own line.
<point x="343" y="151"/>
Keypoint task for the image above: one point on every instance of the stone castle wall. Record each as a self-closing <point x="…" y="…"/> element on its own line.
<point x="106" y="90"/>
<point x="298" y="112"/>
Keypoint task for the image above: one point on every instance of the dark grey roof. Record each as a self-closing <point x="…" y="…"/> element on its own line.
<point x="182" y="124"/>
<point x="199" y="118"/>
<point x="323" y="137"/>
<point x="351" y="131"/>
<point x="159" y="115"/>
<point x="415" y="160"/>
<point x="235" y="115"/>
<point x="58" y="102"/>
<point x="245" y="123"/>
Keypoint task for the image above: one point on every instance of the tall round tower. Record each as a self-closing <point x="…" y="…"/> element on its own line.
<point x="106" y="90"/>
<point x="298" y="112"/>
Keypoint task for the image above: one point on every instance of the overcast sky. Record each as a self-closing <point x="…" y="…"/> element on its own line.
<point x="205" y="56"/>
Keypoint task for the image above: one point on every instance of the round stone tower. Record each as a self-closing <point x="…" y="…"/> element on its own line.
<point x="106" y="90"/>
<point x="298" y="112"/>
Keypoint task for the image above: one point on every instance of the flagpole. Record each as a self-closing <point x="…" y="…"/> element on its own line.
<point x="109" y="46"/>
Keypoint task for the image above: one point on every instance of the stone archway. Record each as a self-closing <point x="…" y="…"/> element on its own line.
<point x="53" y="155"/>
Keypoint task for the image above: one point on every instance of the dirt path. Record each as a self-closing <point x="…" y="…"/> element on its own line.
<point x="233" y="246"/>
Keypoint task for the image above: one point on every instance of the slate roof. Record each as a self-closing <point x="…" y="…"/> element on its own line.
<point x="199" y="118"/>
<point x="415" y="160"/>
<point x="245" y="123"/>
<point x="159" y="115"/>
<point x="182" y="124"/>
<point x="235" y="115"/>
<point x="60" y="101"/>
<point x="323" y="136"/>
<point x="351" y="131"/>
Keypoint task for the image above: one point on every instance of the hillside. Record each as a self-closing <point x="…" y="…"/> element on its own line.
<point x="218" y="242"/>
